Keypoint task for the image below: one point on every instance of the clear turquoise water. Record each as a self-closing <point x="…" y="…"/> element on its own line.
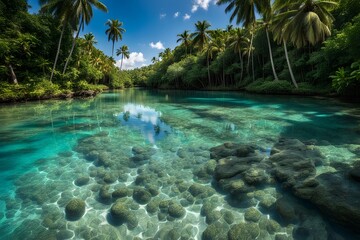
<point x="39" y="164"/>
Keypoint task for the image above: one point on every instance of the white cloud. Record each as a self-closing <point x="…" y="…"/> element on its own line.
<point x="157" y="45"/>
<point x="176" y="14"/>
<point x="194" y="8"/>
<point x="135" y="60"/>
<point x="187" y="16"/>
<point x="204" y="4"/>
<point x="162" y="15"/>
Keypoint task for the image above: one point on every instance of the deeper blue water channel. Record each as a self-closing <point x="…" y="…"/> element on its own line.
<point x="160" y="141"/>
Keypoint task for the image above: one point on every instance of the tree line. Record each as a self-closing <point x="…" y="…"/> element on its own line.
<point x="43" y="54"/>
<point x="298" y="46"/>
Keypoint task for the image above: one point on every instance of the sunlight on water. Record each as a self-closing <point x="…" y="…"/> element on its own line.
<point x="131" y="141"/>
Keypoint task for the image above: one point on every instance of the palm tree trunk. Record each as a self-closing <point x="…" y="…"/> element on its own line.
<point x="73" y="46"/>
<point x="223" y="71"/>
<point x="122" y="58"/>
<point x="13" y="75"/>
<point x="290" y="69"/>
<point x="208" y="68"/>
<point x="58" y="52"/>
<point x="242" y="65"/>
<point x="252" y="66"/>
<point x="271" y="56"/>
<point x="112" y="53"/>
<point x="249" y="52"/>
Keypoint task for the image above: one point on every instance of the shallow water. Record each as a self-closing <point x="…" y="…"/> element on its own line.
<point x="44" y="147"/>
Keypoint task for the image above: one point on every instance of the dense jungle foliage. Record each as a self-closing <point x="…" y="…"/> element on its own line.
<point x="238" y="58"/>
<point x="29" y="45"/>
<point x="294" y="47"/>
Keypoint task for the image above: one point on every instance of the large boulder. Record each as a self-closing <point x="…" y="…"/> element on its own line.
<point x="75" y="209"/>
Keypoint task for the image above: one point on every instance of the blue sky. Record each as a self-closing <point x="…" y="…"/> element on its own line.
<point x="150" y="25"/>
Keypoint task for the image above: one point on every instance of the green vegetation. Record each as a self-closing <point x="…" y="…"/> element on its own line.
<point x="292" y="42"/>
<point x="310" y="45"/>
<point x="41" y="59"/>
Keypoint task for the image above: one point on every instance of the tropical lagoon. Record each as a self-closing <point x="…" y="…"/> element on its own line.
<point x="156" y="164"/>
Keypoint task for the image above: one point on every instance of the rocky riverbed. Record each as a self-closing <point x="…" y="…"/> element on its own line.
<point x="104" y="189"/>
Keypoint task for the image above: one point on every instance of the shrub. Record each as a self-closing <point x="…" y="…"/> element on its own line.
<point x="273" y="87"/>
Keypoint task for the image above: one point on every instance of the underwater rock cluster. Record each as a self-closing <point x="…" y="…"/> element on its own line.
<point x="241" y="169"/>
<point x="105" y="189"/>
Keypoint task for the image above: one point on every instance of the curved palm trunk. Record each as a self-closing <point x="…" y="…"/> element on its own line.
<point x="242" y="65"/>
<point x="290" y="69"/>
<point x="72" y="47"/>
<point x="271" y="56"/>
<point x="58" y="52"/>
<point x="13" y="75"/>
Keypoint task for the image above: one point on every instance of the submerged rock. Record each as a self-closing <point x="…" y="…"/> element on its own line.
<point x="252" y="214"/>
<point x="215" y="231"/>
<point x="142" y="196"/>
<point x="75" y="209"/>
<point x="82" y="180"/>
<point x="244" y="231"/>
<point x="121" y="214"/>
<point x="176" y="210"/>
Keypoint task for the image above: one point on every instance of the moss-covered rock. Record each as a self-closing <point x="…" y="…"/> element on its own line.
<point x="104" y="195"/>
<point x="200" y="191"/>
<point x="82" y="180"/>
<point x="243" y="231"/>
<point x="141" y="195"/>
<point x="120" y="193"/>
<point x="252" y="214"/>
<point x="121" y="214"/>
<point x="75" y="209"/>
<point x="153" y="206"/>
<point x="176" y="210"/>
<point x="213" y="217"/>
<point x="215" y="231"/>
<point x="229" y="217"/>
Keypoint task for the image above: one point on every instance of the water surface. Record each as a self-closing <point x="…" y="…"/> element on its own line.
<point x="45" y="146"/>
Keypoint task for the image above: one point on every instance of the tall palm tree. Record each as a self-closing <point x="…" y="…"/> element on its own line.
<point x="238" y="41"/>
<point x="185" y="39"/>
<point x="302" y="22"/>
<point x="61" y="9"/>
<point x="201" y="35"/>
<point x="245" y="12"/>
<point x="83" y="12"/>
<point x="124" y="52"/>
<point x="216" y="46"/>
<point x="89" y="41"/>
<point x="114" y="31"/>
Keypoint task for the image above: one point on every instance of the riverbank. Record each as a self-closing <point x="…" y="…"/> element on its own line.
<point x="10" y="93"/>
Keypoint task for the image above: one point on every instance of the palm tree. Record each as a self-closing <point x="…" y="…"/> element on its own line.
<point x="238" y="40"/>
<point x="216" y="46"/>
<point x="266" y="22"/>
<point x="83" y="12"/>
<point x="62" y="10"/>
<point x="114" y="31"/>
<point x="124" y="52"/>
<point x="89" y="41"/>
<point x="201" y="35"/>
<point x="185" y="39"/>
<point x="302" y="22"/>
<point x="244" y="11"/>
